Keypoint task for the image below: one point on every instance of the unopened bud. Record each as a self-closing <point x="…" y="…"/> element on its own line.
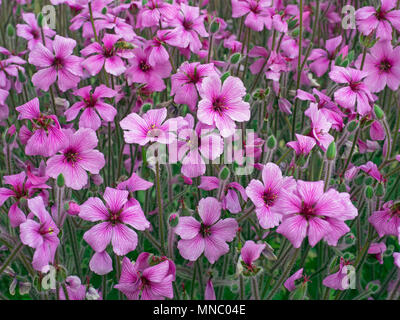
<point x="173" y="220"/>
<point x="331" y="151"/>
<point x="379" y="112"/>
<point x="214" y="27"/>
<point x="235" y="58"/>
<point x="60" y="180"/>
<point x="225" y="76"/>
<point x="369" y="192"/>
<point x="40" y="20"/>
<point x="224" y="173"/>
<point x="352" y="125"/>
<point x="10" y="30"/>
<point x="271" y="142"/>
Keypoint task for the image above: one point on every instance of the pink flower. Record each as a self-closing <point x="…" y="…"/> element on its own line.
<point x="77" y="157"/>
<point x="105" y="55"/>
<point x="188" y="25"/>
<point x="209" y="236"/>
<point x="386" y="221"/>
<point x="186" y="83"/>
<point x="115" y="218"/>
<point x="383" y="66"/>
<point x="134" y="183"/>
<point x="142" y="71"/>
<point x="259" y="13"/>
<point x="290" y="282"/>
<point x="377" y="249"/>
<point x="149" y="278"/>
<point x="40" y="235"/>
<point x="309" y="211"/>
<point x="152" y="13"/>
<point x="323" y="59"/>
<point x="376" y="131"/>
<point x="372" y="170"/>
<point x="47" y="136"/>
<point x="150" y="127"/>
<point x="356" y="91"/>
<point x="209" y="293"/>
<point x="60" y="65"/>
<point x="196" y="147"/>
<point x="31" y="31"/>
<point x="222" y="104"/>
<point x="21" y="188"/>
<point x="75" y="289"/>
<point x="338" y="280"/>
<point x="303" y="145"/>
<point x="93" y="106"/>
<point x="320" y="128"/>
<point x="381" y="19"/>
<point x="271" y="63"/>
<point x="266" y="195"/>
<point x="250" y="252"/>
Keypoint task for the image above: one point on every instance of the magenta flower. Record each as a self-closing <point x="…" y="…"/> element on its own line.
<point x="378" y="250"/>
<point x="75" y="289"/>
<point x="290" y="282"/>
<point x="150" y="127"/>
<point x="188" y="25"/>
<point x="356" y="91"/>
<point x="271" y="63"/>
<point x="309" y="211"/>
<point x="196" y="147"/>
<point x="47" y="136"/>
<point x="105" y="55"/>
<point x="372" y="170"/>
<point x="209" y="292"/>
<point x="303" y="145"/>
<point x="186" y="83"/>
<point x="259" y="13"/>
<point x="381" y="19"/>
<point x="386" y="221"/>
<point x="383" y="67"/>
<point x="250" y="252"/>
<point x="77" y="157"/>
<point x="40" y="235"/>
<point x="222" y="104"/>
<point x="266" y="195"/>
<point x="31" y="31"/>
<point x="115" y="218"/>
<point x="21" y="188"/>
<point x="60" y="66"/>
<point x="149" y="278"/>
<point x="322" y="59"/>
<point x="338" y="280"/>
<point x="93" y="106"/>
<point x="142" y="71"/>
<point x="209" y="236"/>
<point x="320" y="127"/>
<point x="134" y="183"/>
<point x="152" y="13"/>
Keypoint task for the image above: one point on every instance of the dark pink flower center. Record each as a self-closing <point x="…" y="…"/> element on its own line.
<point x="269" y="197"/>
<point x="187" y="25"/>
<point x="218" y="105"/>
<point x="90" y="102"/>
<point x="71" y="156"/>
<point x="58" y="63"/>
<point x="144" y="66"/>
<point x="380" y="14"/>
<point x="254" y="7"/>
<point x="43" y="122"/>
<point x="385" y="65"/>
<point x="114" y="217"/>
<point x="46" y="230"/>
<point x="35" y="34"/>
<point x="355" y="86"/>
<point x="205" y="230"/>
<point x="108" y="53"/>
<point x="307" y="210"/>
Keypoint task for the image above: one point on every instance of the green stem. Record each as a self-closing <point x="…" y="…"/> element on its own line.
<point x="11" y="257"/>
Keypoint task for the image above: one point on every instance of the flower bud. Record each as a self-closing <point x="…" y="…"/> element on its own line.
<point x="352" y="125"/>
<point x="146" y="107"/>
<point x="10" y="30"/>
<point x="295" y="32"/>
<point x="224" y="173"/>
<point x="271" y="142"/>
<point x="359" y="180"/>
<point x="380" y="190"/>
<point x="225" y="76"/>
<point x="331" y="151"/>
<point x="214" y="27"/>
<point x="379" y="112"/>
<point x="104" y="10"/>
<point x="40" y="20"/>
<point x="60" y="180"/>
<point x="73" y="208"/>
<point x="10" y="134"/>
<point x="235" y="58"/>
<point x="368" y="181"/>
<point x="21" y="77"/>
<point x="369" y="192"/>
<point x="173" y="220"/>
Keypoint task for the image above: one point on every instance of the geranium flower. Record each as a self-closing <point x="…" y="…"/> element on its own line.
<point x="115" y="218"/>
<point x="259" y="13"/>
<point x="383" y="67"/>
<point x="186" y="83"/>
<point x="41" y="235"/>
<point x="209" y="236"/>
<point x="266" y="195"/>
<point x="222" y="104"/>
<point x="250" y="252"/>
<point x="46" y="137"/>
<point x="338" y="280"/>
<point x="76" y="157"/>
<point x="309" y="211"/>
<point x="386" y="221"/>
<point x="93" y="106"/>
<point x="59" y="65"/>
<point x="149" y="278"/>
<point x="382" y="19"/>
